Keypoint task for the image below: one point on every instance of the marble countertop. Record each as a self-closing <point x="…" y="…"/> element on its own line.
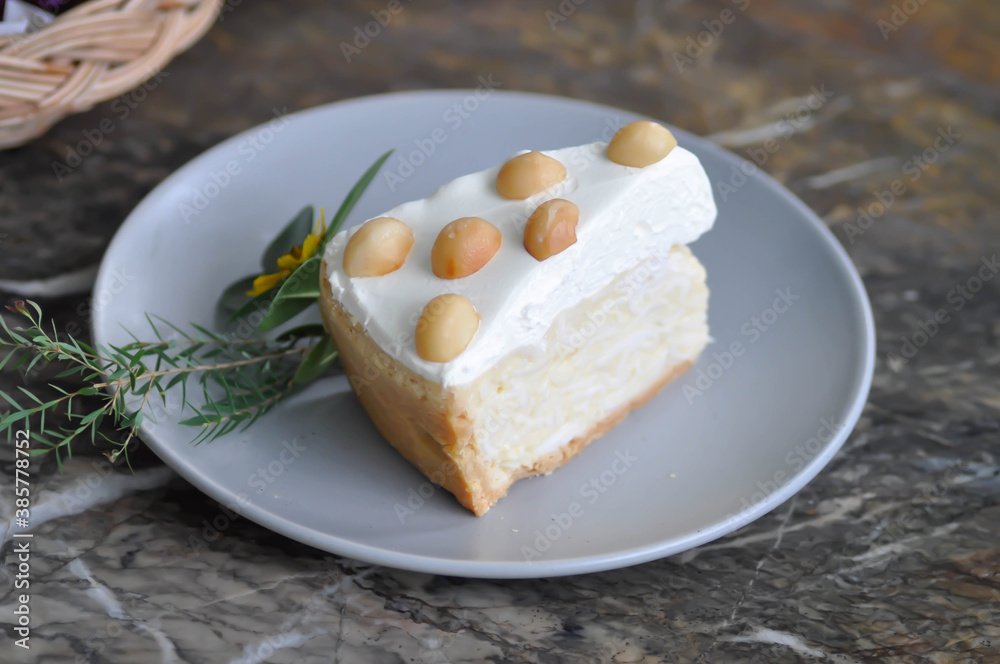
<point x="892" y="554"/>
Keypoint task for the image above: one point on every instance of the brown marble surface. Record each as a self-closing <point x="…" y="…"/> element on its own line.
<point x="891" y="555"/>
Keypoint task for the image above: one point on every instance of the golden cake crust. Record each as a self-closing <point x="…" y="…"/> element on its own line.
<point x="431" y="426"/>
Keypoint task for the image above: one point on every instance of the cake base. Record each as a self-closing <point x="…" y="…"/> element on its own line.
<point x="440" y="430"/>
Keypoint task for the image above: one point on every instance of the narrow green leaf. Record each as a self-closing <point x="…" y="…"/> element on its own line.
<point x="30" y="395"/>
<point x="173" y="381"/>
<point x="297" y="293"/>
<point x="303" y="283"/>
<point x="6" y="397"/>
<point x="211" y="336"/>
<point x="352" y="199"/>
<point x="31" y="365"/>
<point x="199" y="420"/>
<point x="95" y="426"/>
<point x="90" y="417"/>
<point x="84" y="347"/>
<point x="234" y="296"/>
<point x="7" y="420"/>
<point x="282" y="312"/>
<point x="6" y="358"/>
<point x="261" y="302"/>
<point x="294" y="233"/>
<point x="75" y="369"/>
<point x="319" y="358"/>
<point x="152" y="325"/>
<point x="176" y="329"/>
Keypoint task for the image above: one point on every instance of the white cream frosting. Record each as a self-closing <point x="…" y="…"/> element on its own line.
<point x="625" y="215"/>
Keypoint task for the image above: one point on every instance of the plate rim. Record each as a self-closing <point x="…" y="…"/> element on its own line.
<point x="527" y="569"/>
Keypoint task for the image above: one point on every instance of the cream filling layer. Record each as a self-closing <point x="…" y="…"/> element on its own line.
<point x="597" y="356"/>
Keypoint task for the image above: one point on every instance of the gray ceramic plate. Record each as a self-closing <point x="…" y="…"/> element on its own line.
<point x="763" y="411"/>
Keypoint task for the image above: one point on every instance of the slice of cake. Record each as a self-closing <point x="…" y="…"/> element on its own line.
<point x="496" y="327"/>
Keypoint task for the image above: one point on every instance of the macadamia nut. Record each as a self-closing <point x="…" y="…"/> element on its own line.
<point x="445" y="328"/>
<point x="528" y="174"/>
<point x="551" y="228"/>
<point x="640" y="144"/>
<point x="463" y="247"/>
<point x="379" y="247"/>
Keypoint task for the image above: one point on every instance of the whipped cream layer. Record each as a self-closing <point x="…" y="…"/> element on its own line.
<point x="626" y="215"/>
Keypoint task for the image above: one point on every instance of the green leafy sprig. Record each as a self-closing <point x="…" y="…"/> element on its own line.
<point x="238" y="379"/>
<point x="301" y="289"/>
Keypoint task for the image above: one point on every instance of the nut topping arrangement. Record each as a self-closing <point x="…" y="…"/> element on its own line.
<point x="464" y="246"/>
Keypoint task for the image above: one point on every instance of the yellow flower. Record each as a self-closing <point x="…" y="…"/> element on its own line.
<point x="291" y="261"/>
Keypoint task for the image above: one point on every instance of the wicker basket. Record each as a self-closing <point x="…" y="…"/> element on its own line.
<point x="92" y="53"/>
